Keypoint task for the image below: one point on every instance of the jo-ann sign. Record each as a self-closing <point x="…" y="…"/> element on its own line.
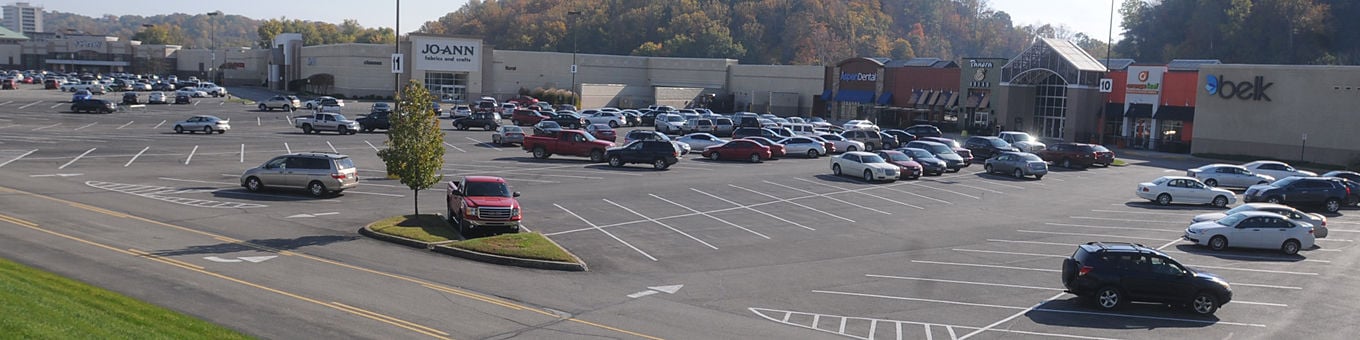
<point x="447" y="54"/>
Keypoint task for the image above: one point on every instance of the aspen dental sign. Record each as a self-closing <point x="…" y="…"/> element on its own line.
<point x="446" y="54"/>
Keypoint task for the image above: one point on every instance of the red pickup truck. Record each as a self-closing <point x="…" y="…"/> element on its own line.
<point x="567" y="142"/>
<point x="483" y="205"/>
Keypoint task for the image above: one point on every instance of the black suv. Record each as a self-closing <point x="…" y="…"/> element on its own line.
<point x="486" y="120"/>
<point x="660" y="154"/>
<point x="985" y="147"/>
<point x="375" y="120"/>
<point x="94" y="105"/>
<point x="924" y="131"/>
<point x="1296" y="191"/>
<point x="1112" y="274"/>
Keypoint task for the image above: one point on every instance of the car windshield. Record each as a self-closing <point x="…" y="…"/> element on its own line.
<point x="898" y="157"/>
<point x="548" y="124"/>
<point x="513" y="129"/>
<point x="918" y="153"/>
<point x="486" y="189"/>
<point x="871" y="159"/>
<point x="997" y="142"/>
<point x="1099" y="148"/>
<point x="1232" y="219"/>
<point x="941" y="149"/>
<point x="1240" y="208"/>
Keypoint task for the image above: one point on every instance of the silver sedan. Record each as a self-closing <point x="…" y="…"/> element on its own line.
<point x="1318" y="221"/>
<point x="207" y="124"/>
<point x="803" y="146"/>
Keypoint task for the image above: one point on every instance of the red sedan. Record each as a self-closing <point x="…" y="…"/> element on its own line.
<point x="738" y="150"/>
<point x="601" y="131"/>
<point x="776" y="149"/>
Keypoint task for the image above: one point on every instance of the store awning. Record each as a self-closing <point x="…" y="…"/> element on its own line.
<point x="1139" y="111"/>
<point x="826" y="95"/>
<point x="1181" y="113"/>
<point x="855" y="96"/>
<point x="885" y="99"/>
<point x="915" y="97"/>
<point x="1114" y="110"/>
<point x="974" y="100"/>
<point x="944" y="99"/>
<point x="986" y="102"/>
<point x="953" y="103"/>
<point x="926" y="99"/>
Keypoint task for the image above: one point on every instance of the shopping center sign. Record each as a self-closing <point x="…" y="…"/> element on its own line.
<point x="1144" y="86"/>
<point x="446" y="54"/>
<point x="1245" y="90"/>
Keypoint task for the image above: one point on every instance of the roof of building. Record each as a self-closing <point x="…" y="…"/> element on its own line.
<point x="1189" y="64"/>
<point x="920" y="62"/>
<point x="1117" y="64"/>
<point x="6" y="34"/>
<point x="1075" y="55"/>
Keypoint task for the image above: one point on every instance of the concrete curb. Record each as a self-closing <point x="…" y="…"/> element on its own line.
<point x="438" y="247"/>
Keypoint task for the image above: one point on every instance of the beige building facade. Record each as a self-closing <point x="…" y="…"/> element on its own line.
<point x="1285" y="112"/>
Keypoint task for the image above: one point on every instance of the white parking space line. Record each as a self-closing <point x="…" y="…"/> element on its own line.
<point x="1007" y="253"/>
<point x="1008" y="319"/>
<point x="134" y="158"/>
<point x="191" y="155"/>
<point x="484" y="144"/>
<point x="827" y="196"/>
<point x="1034" y="242"/>
<point x="287" y="148"/>
<point x="120" y="127"/>
<point x="752" y="209"/>
<point x="196" y="103"/>
<point x="85" y="126"/>
<point x="710" y="216"/>
<point x="790" y="201"/>
<point x="961" y="282"/>
<point x="243" y="153"/>
<point x="328" y="143"/>
<point x="919" y="195"/>
<point x="1255" y="270"/>
<point x="1137" y="212"/>
<point x="1252" y="257"/>
<point x="988" y="266"/>
<point x="17" y="158"/>
<point x="1091" y="235"/>
<point x="375" y="148"/>
<point x="221" y="103"/>
<point x="1266" y="286"/>
<point x="6" y="102"/>
<point x="1112" y="227"/>
<point x="45" y="127"/>
<point x="995" y="183"/>
<point x="73" y="160"/>
<point x="158" y="125"/>
<point x="946" y="190"/>
<point x="611" y="235"/>
<point x="663" y="224"/>
<point x="373" y="193"/>
<point x="1335" y="240"/>
<point x="1121" y="219"/>
<point x="54" y="106"/>
<point x="560" y="168"/>
<point x="897" y="326"/>
<point x="455" y="147"/>
<point x="31" y="104"/>
<point x="257" y="121"/>
<point x="866" y="193"/>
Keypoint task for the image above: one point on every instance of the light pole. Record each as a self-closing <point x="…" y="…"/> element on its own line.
<point x="212" y="48"/>
<point x="575" y="94"/>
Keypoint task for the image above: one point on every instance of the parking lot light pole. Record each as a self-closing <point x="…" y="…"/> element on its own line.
<point x="576" y="101"/>
<point x="212" y="47"/>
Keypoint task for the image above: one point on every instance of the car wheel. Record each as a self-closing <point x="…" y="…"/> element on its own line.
<point x="1218" y="243"/>
<point x="264" y="107"/>
<point x="1211" y="182"/>
<point x="342" y="130"/>
<point x="1220" y="201"/>
<point x="253" y="184"/>
<point x="1018" y="173"/>
<point x="207" y="130"/>
<point x="596" y="156"/>
<point x="448" y="214"/>
<point x="221" y="132"/>
<point x="615" y="161"/>
<point x="755" y="158"/>
<point x="868" y="147"/>
<point x="1204" y="303"/>
<point x="1109" y="298"/>
<point x="179" y="129"/>
<point x="459" y="126"/>
<point x="1038" y="177"/>
<point x="851" y="148"/>
<point x="660" y="164"/>
<point x="836" y="169"/>
<point x="489" y="127"/>
<point x="307" y="128"/>
<point x="987" y="168"/>
<point x="868" y="176"/>
<point x="1332" y="205"/>
<point x="1290" y="247"/>
<point x="613" y="124"/>
<point x="1273" y="200"/>
<point x="1067" y="163"/>
<point x="316" y="189"/>
<point x="288" y="108"/>
<point x="540" y="153"/>
<point x="714" y="156"/>
<point x="812" y="153"/>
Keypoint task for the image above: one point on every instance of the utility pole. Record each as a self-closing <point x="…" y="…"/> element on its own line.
<point x="212" y="48"/>
<point x="576" y="94"/>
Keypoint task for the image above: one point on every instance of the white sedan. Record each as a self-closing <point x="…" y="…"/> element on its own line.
<point x="315" y="103"/>
<point x="192" y="92"/>
<point x="1318" y="221"/>
<point x="1180" y="189"/>
<point x="1277" y="169"/>
<point x="156" y="98"/>
<point x="1253" y="229"/>
<point x="612" y="118"/>
<point x="700" y="141"/>
<point x="859" y="125"/>
<point x="207" y="124"/>
<point x="800" y="145"/>
<point x="868" y="166"/>
<point x="842" y="144"/>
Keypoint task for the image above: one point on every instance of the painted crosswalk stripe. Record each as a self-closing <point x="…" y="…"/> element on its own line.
<point x="73" y="160"/>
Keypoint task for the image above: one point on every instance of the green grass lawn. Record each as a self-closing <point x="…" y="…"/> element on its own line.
<point x="35" y="304"/>
<point x="433" y="228"/>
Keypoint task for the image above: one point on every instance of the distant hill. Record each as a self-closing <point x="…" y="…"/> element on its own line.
<point x="194" y="31"/>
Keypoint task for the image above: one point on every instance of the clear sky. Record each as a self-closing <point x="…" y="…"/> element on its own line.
<point x="1088" y="16"/>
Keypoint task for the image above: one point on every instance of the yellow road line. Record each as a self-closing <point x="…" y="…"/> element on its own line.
<point x="460" y="292"/>
<point x="422" y="329"/>
<point x="164" y="259"/>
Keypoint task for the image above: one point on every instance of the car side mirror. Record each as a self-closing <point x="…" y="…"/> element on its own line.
<point x="515" y="194"/>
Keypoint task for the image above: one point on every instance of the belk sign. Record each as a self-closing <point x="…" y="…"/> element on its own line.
<point x="446" y="54"/>
<point x="1245" y="90"/>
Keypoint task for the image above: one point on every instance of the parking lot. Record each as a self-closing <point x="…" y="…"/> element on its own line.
<point x="779" y="249"/>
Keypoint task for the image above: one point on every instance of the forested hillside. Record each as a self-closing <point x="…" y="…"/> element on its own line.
<point x="196" y="30"/>
<point x="1242" y="31"/>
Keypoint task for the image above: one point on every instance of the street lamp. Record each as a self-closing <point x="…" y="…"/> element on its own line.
<point x="576" y="94"/>
<point x="212" y="48"/>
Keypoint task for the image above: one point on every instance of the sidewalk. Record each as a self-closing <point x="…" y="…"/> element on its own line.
<point x="1153" y="154"/>
<point x="254" y="93"/>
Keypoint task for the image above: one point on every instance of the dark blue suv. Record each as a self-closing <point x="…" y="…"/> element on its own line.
<point x="1113" y="274"/>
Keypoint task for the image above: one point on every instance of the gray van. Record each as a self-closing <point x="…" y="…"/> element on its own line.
<point x="320" y="173"/>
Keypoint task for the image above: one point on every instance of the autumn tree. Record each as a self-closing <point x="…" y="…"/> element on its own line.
<point x="415" y="149"/>
<point x="161" y="35"/>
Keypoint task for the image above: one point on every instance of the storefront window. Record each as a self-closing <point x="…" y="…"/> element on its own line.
<point x="1171" y="130"/>
<point x="447" y="86"/>
<point x="1050" y="107"/>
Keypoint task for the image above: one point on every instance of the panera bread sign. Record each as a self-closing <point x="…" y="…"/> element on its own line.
<point x="447" y="54"/>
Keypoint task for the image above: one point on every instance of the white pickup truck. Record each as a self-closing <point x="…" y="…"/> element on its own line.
<point x="326" y="121"/>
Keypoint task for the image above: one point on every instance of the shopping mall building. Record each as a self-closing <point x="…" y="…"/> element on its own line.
<point x="1052" y="89"/>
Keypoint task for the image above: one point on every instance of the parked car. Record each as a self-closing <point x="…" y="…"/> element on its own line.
<point x="941" y="151"/>
<point x="1228" y="175"/>
<point x="374" y="121"/>
<point x="870" y="138"/>
<point x="1318" y="221"/>
<point x="723" y="126"/>
<point x="486" y="120"/>
<point x="195" y="92"/>
<point x="697" y="125"/>
<point x="859" y="125"/>
<point x="740" y="149"/>
<point x="1253" y="229"/>
<point x="130" y="98"/>
<point x="1077" y="155"/>
<point x="279" y="102"/>
<point x="744" y="132"/>
<point x="613" y="119"/>
<point x="1178" y="189"/>
<point x="508" y="135"/>
<point x="156" y="98"/>
<point x="315" y="103"/>
<point x="566" y="142"/>
<point x="183" y="98"/>
<point x="544" y="128"/>
<point x="320" y="173"/>
<point x="1352" y="181"/>
<point x="1114" y="274"/>
<point x="1018" y="164"/>
<point x="1022" y="141"/>
<point x="525" y="117"/>
<point x="660" y="154"/>
<point x="325" y="121"/>
<point x="669" y="123"/>
<point x="907" y="168"/>
<point x="206" y="124"/>
<point x="841" y="143"/>
<point x="776" y="150"/>
<point x="568" y="119"/>
<point x="632" y="117"/>
<point x="482" y="205"/>
<point x="81" y="95"/>
<point x="700" y="140"/>
<point x="1277" y="169"/>
<point x="644" y="135"/>
<point x="963" y="152"/>
<point x="803" y="145"/>
<point x="94" y="105"/>
<point x="868" y="166"/>
<point x="1350" y="175"/>
<point x="924" y="131"/>
<point x="1301" y="191"/>
<point x="985" y="147"/>
<point x="602" y="132"/>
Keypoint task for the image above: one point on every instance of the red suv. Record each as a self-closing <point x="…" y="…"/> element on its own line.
<point x="526" y="117"/>
<point x="1070" y="155"/>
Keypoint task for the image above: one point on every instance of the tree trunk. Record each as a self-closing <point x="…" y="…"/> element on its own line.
<point x="415" y="198"/>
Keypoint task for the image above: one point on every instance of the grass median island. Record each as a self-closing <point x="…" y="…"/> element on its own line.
<point x="42" y="305"/>
<point x="433" y="228"/>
